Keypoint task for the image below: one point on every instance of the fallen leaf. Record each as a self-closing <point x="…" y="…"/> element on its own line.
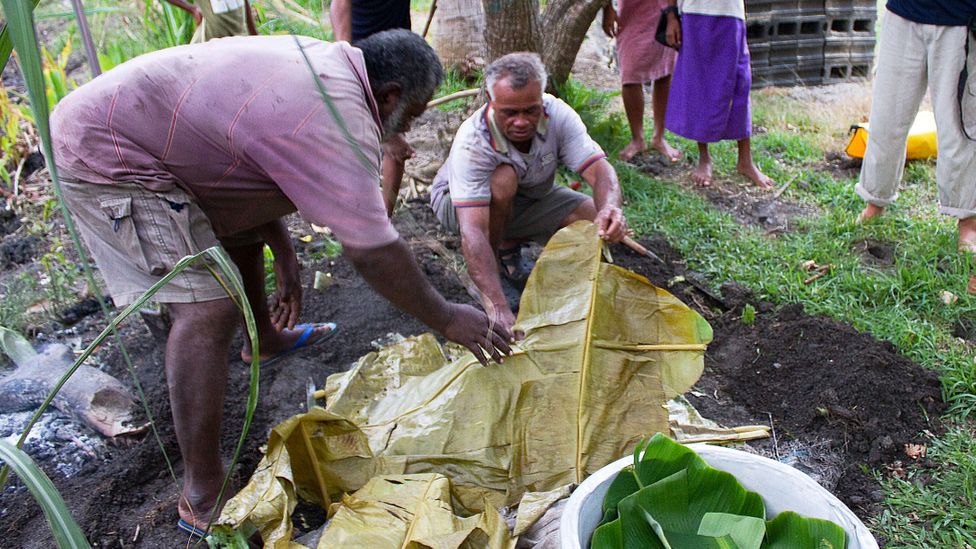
<point x="915" y="451"/>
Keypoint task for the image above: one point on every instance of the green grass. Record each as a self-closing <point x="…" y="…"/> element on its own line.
<point x="901" y="303"/>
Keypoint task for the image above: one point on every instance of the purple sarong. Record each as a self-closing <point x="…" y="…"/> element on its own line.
<point x="709" y="98"/>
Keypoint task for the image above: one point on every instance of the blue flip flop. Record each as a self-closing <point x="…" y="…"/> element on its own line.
<point x="191" y="529"/>
<point x="303" y="341"/>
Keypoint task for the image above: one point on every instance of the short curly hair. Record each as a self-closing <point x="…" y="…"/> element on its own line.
<point x="520" y="68"/>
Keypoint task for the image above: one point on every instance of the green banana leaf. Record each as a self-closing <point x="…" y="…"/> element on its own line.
<point x="745" y="531"/>
<point x="670" y="498"/>
<point x="604" y="350"/>
<point x="788" y="530"/>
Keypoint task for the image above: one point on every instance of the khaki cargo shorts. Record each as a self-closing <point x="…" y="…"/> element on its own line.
<point x="136" y="237"/>
<point x="535" y="219"/>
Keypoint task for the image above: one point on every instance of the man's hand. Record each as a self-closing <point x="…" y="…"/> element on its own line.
<point x="611" y="23"/>
<point x="610" y="224"/>
<point x="285" y="304"/>
<point x="470" y="327"/>
<point x="674" y="31"/>
<point x="505" y="319"/>
<point x="398" y="148"/>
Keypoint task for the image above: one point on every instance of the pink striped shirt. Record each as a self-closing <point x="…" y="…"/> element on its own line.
<point x="240" y="125"/>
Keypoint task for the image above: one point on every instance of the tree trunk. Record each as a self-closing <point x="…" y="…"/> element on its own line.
<point x="564" y="25"/>
<point x="458" y="34"/>
<point x="512" y="25"/>
<point x="556" y="34"/>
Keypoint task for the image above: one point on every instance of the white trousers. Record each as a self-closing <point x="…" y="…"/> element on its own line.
<point x="911" y="57"/>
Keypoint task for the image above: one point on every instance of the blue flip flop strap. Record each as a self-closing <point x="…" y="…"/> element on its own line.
<point x="191" y="529"/>
<point x="308" y="329"/>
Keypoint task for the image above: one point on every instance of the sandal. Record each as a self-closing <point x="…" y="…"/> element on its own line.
<point x="514" y="268"/>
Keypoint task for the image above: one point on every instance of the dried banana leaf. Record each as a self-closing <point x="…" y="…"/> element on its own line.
<point x="411" y="511"/>
<point x="604" y="350"/>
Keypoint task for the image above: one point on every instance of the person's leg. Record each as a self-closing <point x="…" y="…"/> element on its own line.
<point x="957" y="154"/>
<point x="702" y="174"/>
<point x="585" y="211"/>
<point x="659" y="107"/>
<point x="747" y="167"/>
<point x="504" y="186"/>
<point x="899" y="85"/>
<point x="249" y="259"/>
<point x="633" y="98"/>
<point x="196" y="374"/>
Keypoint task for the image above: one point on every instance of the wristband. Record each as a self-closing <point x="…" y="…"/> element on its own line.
<point x="670" y="9"/>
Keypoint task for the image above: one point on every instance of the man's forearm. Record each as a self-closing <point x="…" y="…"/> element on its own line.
<point x="275" y="235"/>
<point x="340" y="15"/>
<point x="183" y="5"/>
<point x="480" y="258"/>
<point x="392" y="271"/>
<point x="606" y="189"/>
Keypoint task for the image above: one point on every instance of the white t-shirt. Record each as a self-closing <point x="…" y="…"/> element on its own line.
<point x="722" y="8"/>
<point x="479" y="148"/>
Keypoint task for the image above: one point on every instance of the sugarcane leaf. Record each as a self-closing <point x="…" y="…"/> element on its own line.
<point x="789" y="530"/>
<point x="16" y="347"/>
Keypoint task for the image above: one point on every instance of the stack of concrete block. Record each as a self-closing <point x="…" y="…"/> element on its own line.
<point x="810" y="42"/>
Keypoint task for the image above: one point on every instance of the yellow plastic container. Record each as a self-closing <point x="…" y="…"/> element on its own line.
<point x="921" y="138"/>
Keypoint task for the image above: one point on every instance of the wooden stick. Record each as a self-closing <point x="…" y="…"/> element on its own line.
<point x="821" y="271"/>
<point x="451" y="97"/>
<point x="634" y="245"/>
<point x="430" y="17"/>
<point x="779" y="192"/>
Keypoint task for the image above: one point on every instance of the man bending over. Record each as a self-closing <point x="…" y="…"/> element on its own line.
<point x="179" y="150"/>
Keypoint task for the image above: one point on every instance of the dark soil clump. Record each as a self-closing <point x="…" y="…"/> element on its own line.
<point x="875" y="252"/>
<point x="17" y="251"/>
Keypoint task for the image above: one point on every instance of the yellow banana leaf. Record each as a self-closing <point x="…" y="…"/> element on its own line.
<point x="411" y="512"/>
<point x="604" y="350"/>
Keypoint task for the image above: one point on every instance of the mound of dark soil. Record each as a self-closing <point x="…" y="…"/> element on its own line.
<point x="821" y="382"/>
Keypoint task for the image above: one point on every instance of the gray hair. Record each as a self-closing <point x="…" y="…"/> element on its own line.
<point x="519" y="67"/>
<point x="405" y="58"/>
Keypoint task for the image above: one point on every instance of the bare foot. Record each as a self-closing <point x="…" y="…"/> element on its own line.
<point x="702" y="176"/>
<point x="967" y="235"/>
<point x="752" y="172"/>
<point x="286" y="340"/>
<point x="197" y="510"/>
<point x="869" y="211"/>
<point x="632" y="149"/>
<point x="666" y="150"/>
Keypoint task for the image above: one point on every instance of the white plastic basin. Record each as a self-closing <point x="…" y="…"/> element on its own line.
<point x="782" y="488"/>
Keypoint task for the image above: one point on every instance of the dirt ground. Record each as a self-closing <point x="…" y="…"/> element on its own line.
<point x="837" y="399"/>
<point x="840" y="402"/>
